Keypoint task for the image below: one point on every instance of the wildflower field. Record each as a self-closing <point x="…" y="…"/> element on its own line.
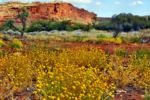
<point x="48" y="69"/>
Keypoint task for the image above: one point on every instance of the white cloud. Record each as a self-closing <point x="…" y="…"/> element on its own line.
<point x="98" y="3"/>
<point x="136" y="2"/>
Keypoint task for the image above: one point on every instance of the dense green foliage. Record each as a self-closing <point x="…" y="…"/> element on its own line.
<point x="9" y="24"/>
<point x="124" y="22"/>
<point x="118" y="23"/>
<point x="44" y="25"/>
<point x="104" y="25"/>
<point x="128" y="22"/>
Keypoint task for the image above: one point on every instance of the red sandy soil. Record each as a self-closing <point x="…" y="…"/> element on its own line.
<point x="106" y="47"/>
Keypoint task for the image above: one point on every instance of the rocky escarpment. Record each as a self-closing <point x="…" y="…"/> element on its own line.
<point x="47" y="11"/>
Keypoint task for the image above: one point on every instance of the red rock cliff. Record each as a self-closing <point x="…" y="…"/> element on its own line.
<point x="47" y="11"/>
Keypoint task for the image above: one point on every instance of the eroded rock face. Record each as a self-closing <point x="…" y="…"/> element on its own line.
<point x="47" y="11"/>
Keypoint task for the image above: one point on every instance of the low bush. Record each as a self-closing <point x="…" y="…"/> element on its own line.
<point x="102" y="36"/>
<point x="140" y="53"/>
<point x="75" y="38"/>
<point x="135" y="39"/>
<point x="43" y="25"/>
<point x="80" y="26"/>
<point x="147" y="95"/>
<point x="104" y="25"/>
<point x="122" y="52"/>
<point x="16" y="44"/>
<point x="7" y="37"/>
<point x="1" y="43"/>
<point x="110" y="40"/>
<point x="2" y="53"/>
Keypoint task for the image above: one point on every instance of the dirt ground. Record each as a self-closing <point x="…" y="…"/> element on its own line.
<point x="106" y="47"/>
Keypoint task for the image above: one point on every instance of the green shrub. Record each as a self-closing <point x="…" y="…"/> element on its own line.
<point x="102" y="36"/>
<point x="103" y="25"/>
<point x="2" y="53"/>
<point x="1" y="43"/>
<point x="7" y="37"/>
<point x="16" y="44"/>
<point x="121" y="52"/>
<point x="80" y="38"/>
<point x="135" y="39"/>
<point x="44" y="25"/>
<point x="38" y="26"/>
<point x="78" y="26"/>
<point x="147" y="95"/>
<point x="140" y="53"/>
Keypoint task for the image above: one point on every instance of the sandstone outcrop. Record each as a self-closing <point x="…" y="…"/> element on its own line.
<point x="47" y="11"/>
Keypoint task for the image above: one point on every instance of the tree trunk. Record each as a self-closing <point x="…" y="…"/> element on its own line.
<point x="23" y="27"/>
<point x="22" y="33"/>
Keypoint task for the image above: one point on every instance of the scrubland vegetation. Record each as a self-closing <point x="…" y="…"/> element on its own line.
<point x="48" y="69"/>
<point x="74" y="61"/>
<point x="123" y="22"/>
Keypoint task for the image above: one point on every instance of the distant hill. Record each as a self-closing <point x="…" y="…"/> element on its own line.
<point x="47" y="11"/>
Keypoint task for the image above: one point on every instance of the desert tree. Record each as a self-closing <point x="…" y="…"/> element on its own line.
<point x="9" y="24"/>
<point x="23" y="15"/>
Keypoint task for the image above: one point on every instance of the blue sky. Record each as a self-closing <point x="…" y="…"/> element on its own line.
<point x="107" y="8"/>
